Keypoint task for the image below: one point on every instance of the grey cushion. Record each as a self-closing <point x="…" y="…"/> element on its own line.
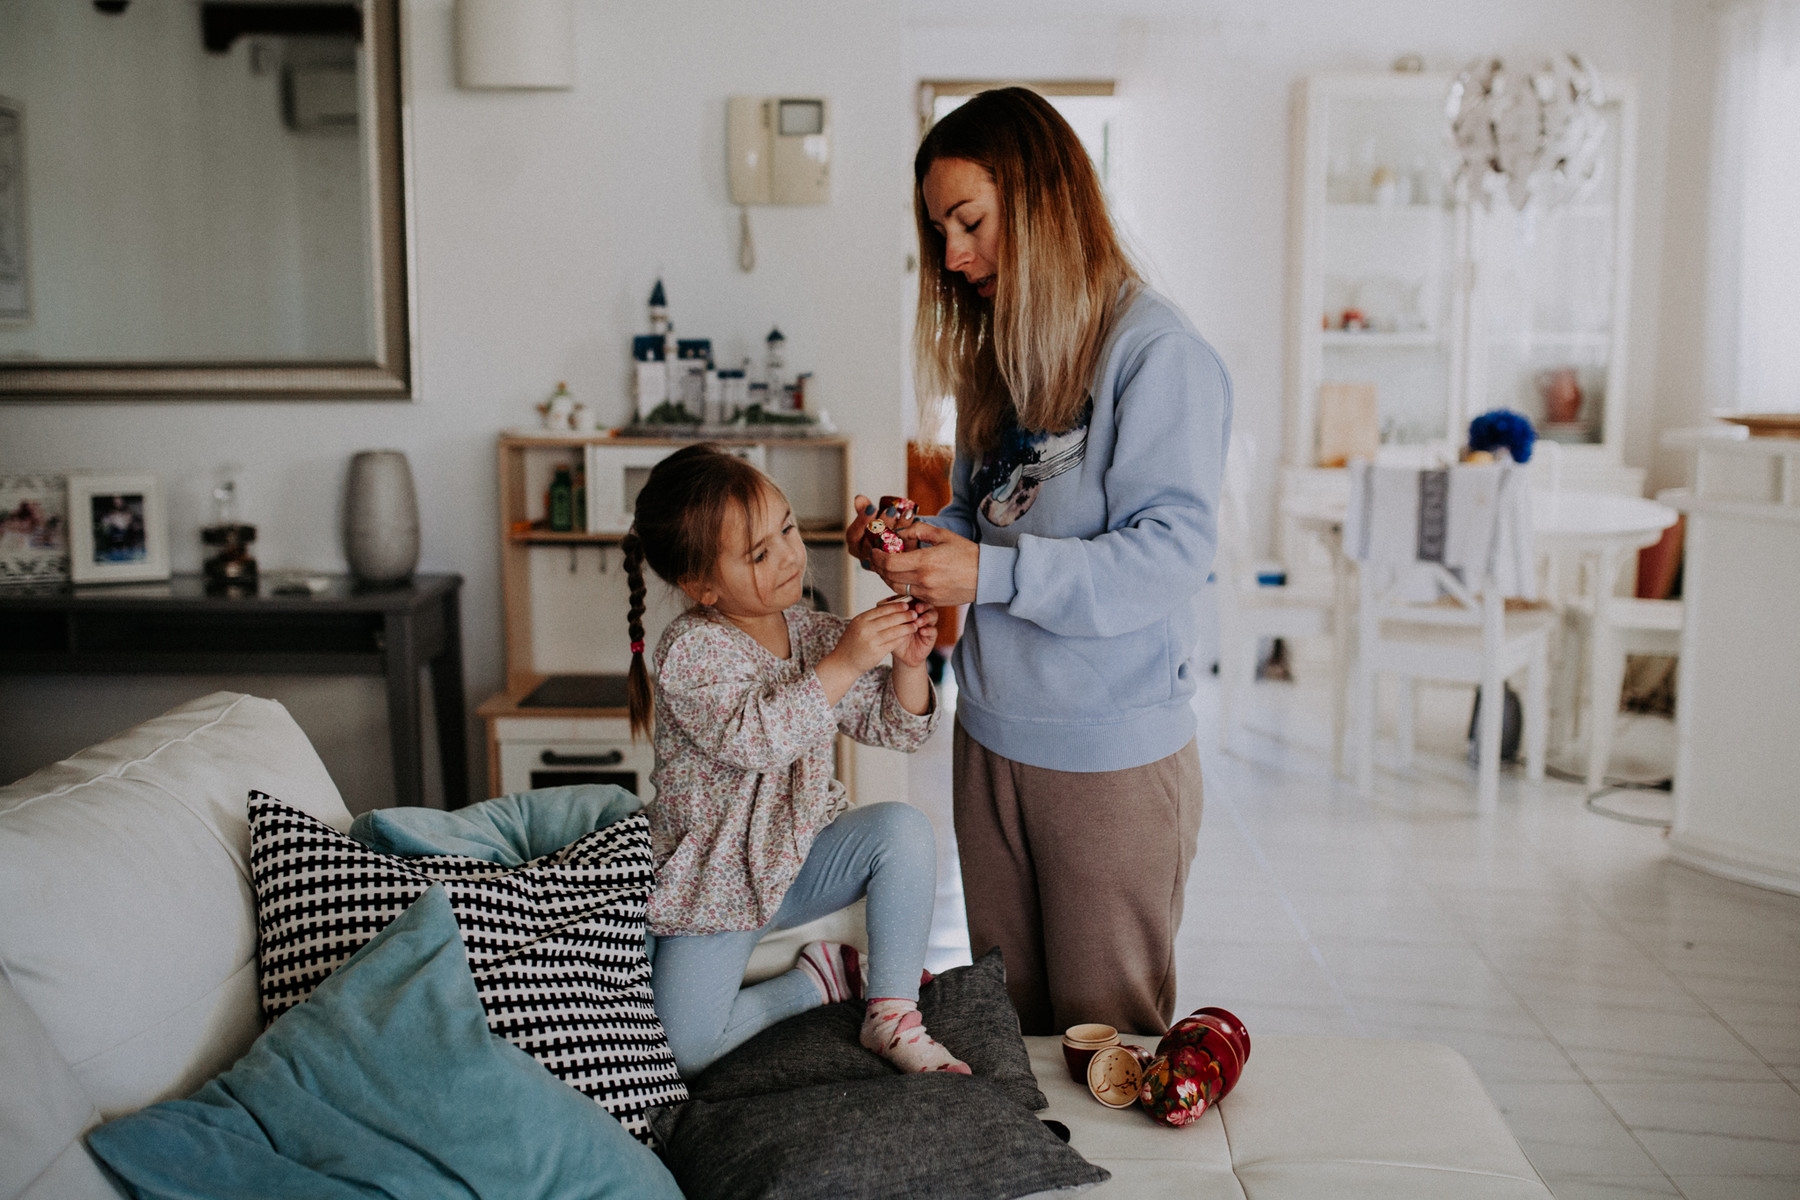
<point x="966" y="1009"/>
<point x="951" y="1137"/>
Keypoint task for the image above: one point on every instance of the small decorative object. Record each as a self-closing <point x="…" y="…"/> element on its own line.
<point x="897" y="511"/>
<point x="1169" y="1094"/>
<point x="734" y="393"/>
<point x="1384" y="187"/>
<point x="659" y="311"/>
<point x="1197" y="1063"/>
<point x="877" y="536"/>
<point x="1199" y="1046"/>
<point x="558" y="412"/>
<point x="118" y="529"/>
<point x="1534" y="138"/>
<point x="1353" y="319"/>
<point x="775" y="368"/>
<point x="1114" y="1076"/>
<point x="1505" y="429"/>
<point x="562" y="501"/>
<point x="1231" y="1027"/>
<point x="230" y="568"/>
<point x="1079" y="1044"/>
<point x="381" y="526"/>
<point x="1561" y="390"/>
<point x="668" y="413"/>
<point x="687" y="374"/>
<point x="34" y="530"/>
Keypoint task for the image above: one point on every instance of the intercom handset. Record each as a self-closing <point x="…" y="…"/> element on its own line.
<point x="779" y="150"/>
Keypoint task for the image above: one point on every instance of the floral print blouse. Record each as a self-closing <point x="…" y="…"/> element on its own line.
<point x="743" y="775"/>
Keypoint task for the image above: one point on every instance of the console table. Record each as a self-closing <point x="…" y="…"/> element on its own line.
<point x="177" y="628"/>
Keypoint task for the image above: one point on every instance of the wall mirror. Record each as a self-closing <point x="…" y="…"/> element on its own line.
<point x="203" y="199"/>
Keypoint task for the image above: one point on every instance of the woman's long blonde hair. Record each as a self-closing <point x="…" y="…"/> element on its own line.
<point x="1033" y="351"/>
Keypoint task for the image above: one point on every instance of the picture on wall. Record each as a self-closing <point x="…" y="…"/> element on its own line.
<point x="15" y="293"/>
<point x="34" y="531"/>
<point x="118" y="531"/>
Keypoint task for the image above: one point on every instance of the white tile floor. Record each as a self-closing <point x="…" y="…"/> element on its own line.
<point x="1637" y="1022"/>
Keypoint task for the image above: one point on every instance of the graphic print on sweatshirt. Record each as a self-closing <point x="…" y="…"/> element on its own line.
<point x="1013" y="471"/>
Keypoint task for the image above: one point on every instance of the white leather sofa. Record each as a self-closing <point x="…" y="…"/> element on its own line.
<point x="128" y="976"/>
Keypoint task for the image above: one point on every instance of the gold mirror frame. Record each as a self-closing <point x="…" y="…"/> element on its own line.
<point x="389" y="375"/>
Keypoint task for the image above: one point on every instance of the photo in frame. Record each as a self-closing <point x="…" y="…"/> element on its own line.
<point x="15" y="289"/>
<point x="118" y="529"/>
<point x="34" y="530"/>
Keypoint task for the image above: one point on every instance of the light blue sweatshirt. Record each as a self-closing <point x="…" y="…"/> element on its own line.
<point x="1078" y="654"/>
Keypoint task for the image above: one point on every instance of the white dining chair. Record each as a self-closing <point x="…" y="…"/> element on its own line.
<point x="1253" y="607"/>
<point x="1622" y="626"/>
<point x="1439" y="552"/>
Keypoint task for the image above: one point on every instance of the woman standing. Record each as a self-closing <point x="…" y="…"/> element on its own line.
<point x="1091" y="425"/>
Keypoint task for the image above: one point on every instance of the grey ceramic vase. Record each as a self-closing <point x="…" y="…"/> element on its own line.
<point x="381" y="519"/>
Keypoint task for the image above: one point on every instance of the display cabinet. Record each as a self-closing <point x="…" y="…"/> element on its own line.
<point x="1409" y="312"/>
<point x="561" y="717"/>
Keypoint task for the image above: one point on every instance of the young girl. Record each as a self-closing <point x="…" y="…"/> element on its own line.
<point x="750" y="830"/>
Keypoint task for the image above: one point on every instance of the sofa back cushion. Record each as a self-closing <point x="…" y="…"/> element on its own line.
<point x="127" y="921"/>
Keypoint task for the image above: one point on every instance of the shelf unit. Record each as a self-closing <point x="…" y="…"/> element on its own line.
<point x="1467" y="308"/>
<point x="565" y="596"/>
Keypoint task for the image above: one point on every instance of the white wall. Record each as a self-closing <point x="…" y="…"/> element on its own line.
<point x="542" y="220"/>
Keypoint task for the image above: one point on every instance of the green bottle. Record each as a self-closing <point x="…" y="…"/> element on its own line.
<point x="562" y="502"/>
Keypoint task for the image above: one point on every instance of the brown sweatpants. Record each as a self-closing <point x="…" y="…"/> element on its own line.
<point x="1078" y="878"/>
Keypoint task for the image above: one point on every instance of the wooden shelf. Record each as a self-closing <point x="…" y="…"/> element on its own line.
<point x="528" y="439"/>
<point x="505" y="703"/>
<point x="548" y="537"/>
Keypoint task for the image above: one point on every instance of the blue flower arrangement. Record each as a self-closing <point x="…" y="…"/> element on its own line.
<point x="1503" y="427"/>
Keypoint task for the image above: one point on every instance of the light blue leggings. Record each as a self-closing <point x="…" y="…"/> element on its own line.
<point x="886" y="850"/>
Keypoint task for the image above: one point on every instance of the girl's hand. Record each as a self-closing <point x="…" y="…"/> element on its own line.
<point x="942" y="570"/>
<point x="871" y="636"/>
<point x="924" y="638"/>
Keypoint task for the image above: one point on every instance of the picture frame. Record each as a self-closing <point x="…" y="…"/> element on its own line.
<point x="34" y="531"/>
<point x="118" y="529"/>
<point x="15" y="275"/>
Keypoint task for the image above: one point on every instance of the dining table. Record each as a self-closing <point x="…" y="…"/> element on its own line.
<point x="1582" y="540"/>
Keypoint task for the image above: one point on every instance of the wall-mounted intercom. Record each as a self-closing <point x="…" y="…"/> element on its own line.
<point x="779" y="150"/>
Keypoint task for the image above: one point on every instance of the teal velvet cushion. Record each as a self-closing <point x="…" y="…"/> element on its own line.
<point x="385" y="1083"/>
<point x="511" y="830"/>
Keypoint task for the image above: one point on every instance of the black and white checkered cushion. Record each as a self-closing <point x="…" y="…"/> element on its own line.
<point x="556" y="946"/>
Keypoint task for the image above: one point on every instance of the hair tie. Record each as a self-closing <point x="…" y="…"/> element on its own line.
<point x="637" y="647"/>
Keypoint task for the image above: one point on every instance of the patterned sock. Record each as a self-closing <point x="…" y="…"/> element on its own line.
<point x="835" y="968"/>
<point x="894" y="1030"/>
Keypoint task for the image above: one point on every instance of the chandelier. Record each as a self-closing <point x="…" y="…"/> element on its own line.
<point x="1533" y="138"/>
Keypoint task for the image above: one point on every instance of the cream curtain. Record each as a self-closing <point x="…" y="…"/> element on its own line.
<point x="1754" y="243"/>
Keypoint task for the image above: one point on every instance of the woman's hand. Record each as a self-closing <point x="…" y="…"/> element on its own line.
<point x="941" y="571"/>
<point x="862" y="510"/>
<point x="869" y="638"/>
<point x="924" y="637"/>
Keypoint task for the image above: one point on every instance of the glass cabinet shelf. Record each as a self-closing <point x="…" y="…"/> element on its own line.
<point x="1379" y="338"/>
<point x="1440" y="308"/>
